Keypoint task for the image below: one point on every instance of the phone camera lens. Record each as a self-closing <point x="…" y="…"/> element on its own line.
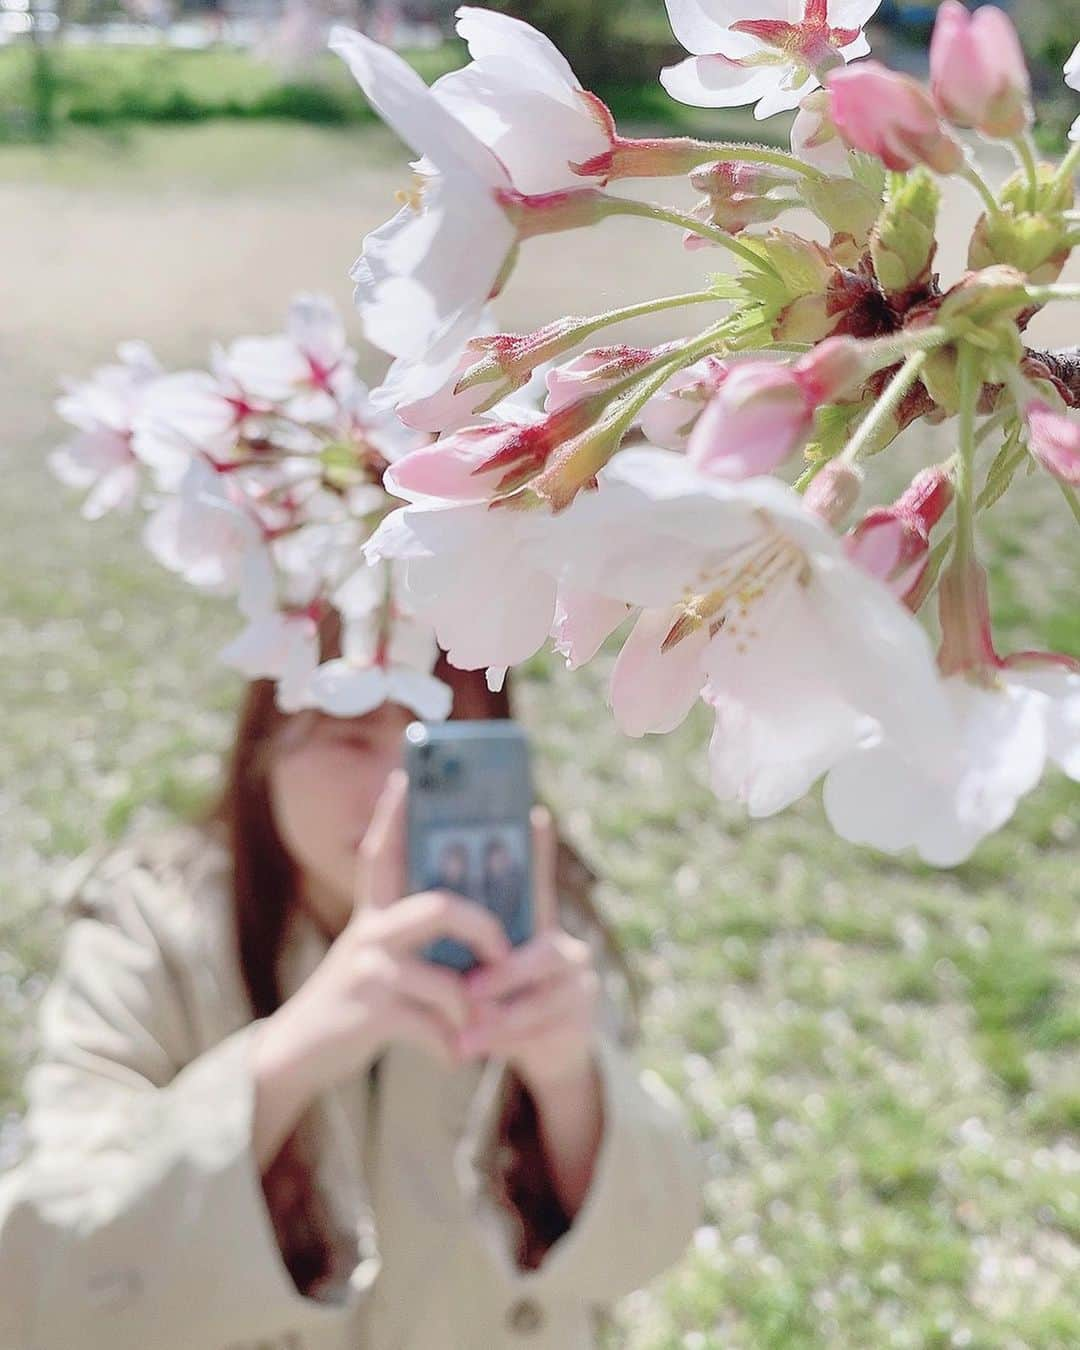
<point x="417" y="734"/>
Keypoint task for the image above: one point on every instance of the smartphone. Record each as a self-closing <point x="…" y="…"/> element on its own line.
<point x="470" y="794"/>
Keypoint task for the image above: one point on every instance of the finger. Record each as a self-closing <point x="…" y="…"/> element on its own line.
<point x="440" y="991"/>
<point x="545" y="844"/>
<point x="417" y="1025"/>
<point x="552" y="1007"/>
<point x="419" y="919"/>
<point x="526" y="966"/>
<point x="381" y="860"/>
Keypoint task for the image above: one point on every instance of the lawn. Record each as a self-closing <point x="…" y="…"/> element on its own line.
<point x="115" y="86"/>
<point x="883" y="1061"/>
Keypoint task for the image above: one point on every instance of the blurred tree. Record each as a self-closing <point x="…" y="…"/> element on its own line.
<point x="45" y="22"/>
<point x="585" y="31"/>
<point x="1049" y="33"/>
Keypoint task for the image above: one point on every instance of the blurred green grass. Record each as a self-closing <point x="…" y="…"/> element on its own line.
<point x="883" y="1061"/>
<point x="104" y="86"/>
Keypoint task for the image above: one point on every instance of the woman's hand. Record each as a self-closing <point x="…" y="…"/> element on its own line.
<point x="372" y="988"/>
<point x="537" y="1010"/>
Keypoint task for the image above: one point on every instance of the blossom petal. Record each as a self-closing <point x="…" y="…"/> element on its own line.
<point x="883" y="657"/>
<point x="852" y="13"/>
<point x="414" y="379"/>
<point x="429" y="698"/>
<point x="405" y="103"/>
<point x="343" y="689"/>
<point x="882" y="797"/>
<point x="655" y="495"/>
<point x="653" y="690"/>
<point x="425" y="276"/>
<point x="782" y="719"/>
<point x="700" y="25"/>
<point x="1062" y="688"/>
<point x="471" y="574"/>
<point x="536" y="132"/>
<point x="716" y="82"/>
<point x="1072" y="69"/>
<point x="583" y="622"/>
<point x="500" y="37"/>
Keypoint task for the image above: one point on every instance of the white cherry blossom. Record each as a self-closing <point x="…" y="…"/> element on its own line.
<point x="1009" y="725"/>
<point x="189" y="413"/>
<point x="276" y="644"/>
<point x="103" y="411"/>
<point x="308" y="370"/>
<point x="1072" y="79"/>
<point x="520" y="97"/>
<point x="495" y="143"/>
<point x="767" y="52"/>
<point x="470" y="572"/>
<point x="204" y="533"/>
<point x="425" y="276"/>
<point x="381" y="662"/>
<point x="806" y="656"/>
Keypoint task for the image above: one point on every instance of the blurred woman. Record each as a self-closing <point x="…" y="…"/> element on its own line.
<point x="261" y="1119"/>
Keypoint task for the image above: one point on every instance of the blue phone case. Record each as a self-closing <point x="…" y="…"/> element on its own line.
<point x="470" y="793"/>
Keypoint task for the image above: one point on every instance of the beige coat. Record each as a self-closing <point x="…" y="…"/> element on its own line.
<point x="137" y="1220"/>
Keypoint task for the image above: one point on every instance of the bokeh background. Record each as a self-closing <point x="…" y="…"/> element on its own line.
<point x="883" y="1061"/>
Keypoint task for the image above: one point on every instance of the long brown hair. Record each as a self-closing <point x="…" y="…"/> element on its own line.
<point x="264" y="892"/>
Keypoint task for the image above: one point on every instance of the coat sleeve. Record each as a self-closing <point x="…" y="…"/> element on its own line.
<point x="643" y="1204"/>
<point x="137" y="1217"/>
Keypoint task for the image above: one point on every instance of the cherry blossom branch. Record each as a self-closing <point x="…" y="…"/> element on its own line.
<point x="1069" y="164"/>
<point x="997" y="481"/>
<point x="1025" y="157"/>
<point x="755" y="154"/>
<point x="1043" y="295"/>
<point x="970" y="383"/>
<point x="1069" y="493"/>
<point x="667" y="157"/>
<point x="979" y="183"/>
<point x="866" y="433"/>
<point x="710" y="342"/>
<point x="628" y="206"/>
<point x="558" y="339"/>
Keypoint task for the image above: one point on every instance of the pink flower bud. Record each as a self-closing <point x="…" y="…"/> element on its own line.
<point x="763" y="411"/>
<point x="593" y="372"/>
<point x="978" y="75"/>
<point x="834" y="368"/>
<point x="481" y="462"/>
<point x="892" y="543"/>
<point x="731" y="178"/>
<point x="814" y="138"/>
<point x="457" y="401"/>
<point x="459" y="467"/>
<point x="889" y="115"/>
<point x="834" y="491"/>
<point x="737" y="195"/>
<point x="1054" y="440"/>
<point x="669" y="417"/>
<point x="759" y="417"/>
